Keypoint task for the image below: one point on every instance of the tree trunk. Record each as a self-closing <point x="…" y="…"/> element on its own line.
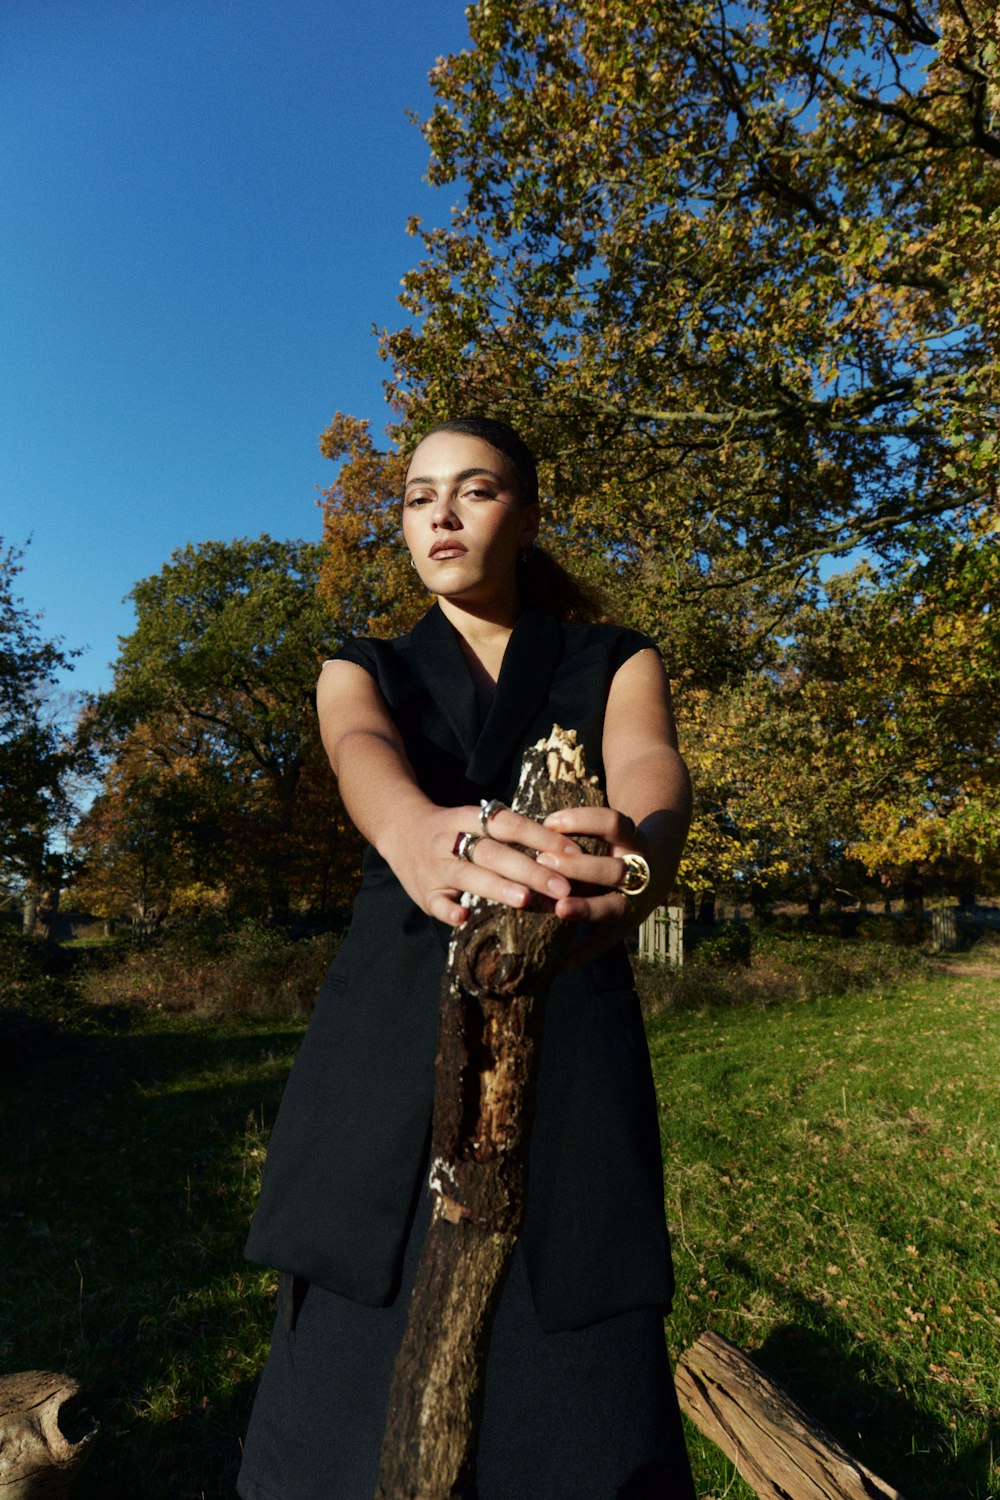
<point x="39" y="1455"/>
<point x="500" y="965"/>
<point x="782" y="1453"/>
<point x="913" y="894"/>
<point x="29" y="908"/>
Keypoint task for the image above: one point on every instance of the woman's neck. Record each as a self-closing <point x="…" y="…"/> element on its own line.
<point x="483" y="636"/>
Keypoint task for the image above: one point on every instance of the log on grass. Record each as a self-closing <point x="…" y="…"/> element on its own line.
<point x="45" y="1433"/>
<point x="782" y="1453"/>
<point x="500" y="965"/>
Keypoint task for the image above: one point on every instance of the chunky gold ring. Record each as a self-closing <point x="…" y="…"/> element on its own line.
<point x="464" y="845"/>
<point x="488" y="810"/>
<point x="636" y="877"/>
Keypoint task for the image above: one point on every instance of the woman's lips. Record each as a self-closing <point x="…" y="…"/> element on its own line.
<point x="444" y="550"/>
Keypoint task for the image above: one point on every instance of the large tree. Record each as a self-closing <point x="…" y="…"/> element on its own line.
<point x="734" y="267"/>
<point x="733" y="270"/>
<point x="869" y="755"/>
<point x="904" y="680"/>
<point x="216" y="787"/>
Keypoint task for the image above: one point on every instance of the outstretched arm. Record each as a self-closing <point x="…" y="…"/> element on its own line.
<point x="413" y="834"/>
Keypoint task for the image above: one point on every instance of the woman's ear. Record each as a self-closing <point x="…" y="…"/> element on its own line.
<point x="529" y="525"/>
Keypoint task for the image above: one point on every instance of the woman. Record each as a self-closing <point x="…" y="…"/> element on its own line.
<point x="425" y="735"/>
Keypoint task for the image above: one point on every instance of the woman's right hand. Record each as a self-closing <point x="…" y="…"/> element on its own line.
<point x="424" y="861"/>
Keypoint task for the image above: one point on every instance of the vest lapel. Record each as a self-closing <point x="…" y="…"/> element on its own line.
<point x="528" y="664"/>
<point x="438" y="659"/>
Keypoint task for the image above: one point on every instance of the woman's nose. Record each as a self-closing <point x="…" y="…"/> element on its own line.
<point x="443" y="512"/>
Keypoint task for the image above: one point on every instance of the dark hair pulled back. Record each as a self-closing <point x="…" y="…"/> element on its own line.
<point x="541" y="581"/>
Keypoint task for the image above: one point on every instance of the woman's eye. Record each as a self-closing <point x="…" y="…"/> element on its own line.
<point x="478" y="494"/>
<point x="416" y="500"/>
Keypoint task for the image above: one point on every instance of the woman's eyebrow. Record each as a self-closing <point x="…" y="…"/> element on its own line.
<point x="459" y="478"/>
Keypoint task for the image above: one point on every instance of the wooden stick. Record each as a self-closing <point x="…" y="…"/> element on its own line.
<point x="777" y="1447"/>
<point x="500" y="965"/>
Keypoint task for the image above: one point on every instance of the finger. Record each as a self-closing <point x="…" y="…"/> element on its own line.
<point x="606" y="871"/>
<point x="605" y="822"/>
<point x="478" y="880"/>
<point x="608" y="906"/>
<point x="509" y="827"/>
<point x="445" y="906"/>
<point x="511" y="864"/>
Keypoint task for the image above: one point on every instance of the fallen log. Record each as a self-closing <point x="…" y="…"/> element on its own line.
<point x="39" y="1456"/>
<point x="499" y="968"/>
<point x="781" y="1452"/>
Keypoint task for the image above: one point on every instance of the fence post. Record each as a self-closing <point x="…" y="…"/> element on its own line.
<point x="661" y="936"/>
<point x="675" y="945"/>
<point x="944" y="929"/>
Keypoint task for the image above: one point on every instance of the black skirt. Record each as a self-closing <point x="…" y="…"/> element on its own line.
<point x="586" y="1415"/>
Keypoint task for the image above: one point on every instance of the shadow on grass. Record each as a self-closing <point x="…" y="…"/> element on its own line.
<point x="126" y="1192"/>
<point x="196" y="1457"/>
<point x="846" y="1384"/>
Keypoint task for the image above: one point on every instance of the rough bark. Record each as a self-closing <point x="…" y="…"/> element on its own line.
<point x="500" y="965"/>
<point x="40" y="1413"/>
<point x="777" y="1447"/>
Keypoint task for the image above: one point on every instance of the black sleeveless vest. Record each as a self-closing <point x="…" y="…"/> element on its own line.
<point x="349" y="1145"/>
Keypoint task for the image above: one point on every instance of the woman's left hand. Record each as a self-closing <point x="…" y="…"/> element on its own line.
<point x="600" y="902"/>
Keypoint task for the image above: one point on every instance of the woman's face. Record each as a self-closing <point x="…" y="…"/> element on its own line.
<point x="463" y="520"/>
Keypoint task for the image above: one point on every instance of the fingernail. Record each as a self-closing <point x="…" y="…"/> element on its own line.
<point x="549" y="860"/>
<point x="570" y="849"/>
<point x="558" y="887"/>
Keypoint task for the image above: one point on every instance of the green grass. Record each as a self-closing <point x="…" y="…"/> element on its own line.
<point x="831" y="1173"/>
<point x="830" y="1125"/>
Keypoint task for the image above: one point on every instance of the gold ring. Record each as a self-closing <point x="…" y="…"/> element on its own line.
<point x="636" y="877"/>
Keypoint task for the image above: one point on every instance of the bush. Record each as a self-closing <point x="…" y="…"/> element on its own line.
<point x="904" y="930"/>
<point x="727" y="944"/>
<point x="785" y="967"/>
<point x="253" y="971"/>
<point x="26" y="973"/>
<point x="18" y="959"/>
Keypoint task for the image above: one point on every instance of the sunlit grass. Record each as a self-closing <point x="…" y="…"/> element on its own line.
<point x="831" y="1173"/>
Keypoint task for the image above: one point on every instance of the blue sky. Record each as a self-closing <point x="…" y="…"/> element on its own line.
<point x="204" y="206"/>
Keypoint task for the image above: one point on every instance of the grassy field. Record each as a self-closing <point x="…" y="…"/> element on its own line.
<point x="830" y="1126"/>
<point x="832" y="1184"/>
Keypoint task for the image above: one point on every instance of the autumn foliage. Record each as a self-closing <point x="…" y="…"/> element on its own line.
<point x="216" y="797"/>
<point x="733" y="271"/>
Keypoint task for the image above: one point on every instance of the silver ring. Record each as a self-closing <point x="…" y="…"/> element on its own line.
<point x="636" y="877"/>
<point x="464" y="845"/>
<point x="488" y="810"/>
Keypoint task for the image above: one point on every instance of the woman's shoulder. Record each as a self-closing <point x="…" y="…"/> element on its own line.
<point x="618" y="642"/>
<point x="393" y="663"/>
<point x="363" y="650"/>
<point x="371" y="651"/>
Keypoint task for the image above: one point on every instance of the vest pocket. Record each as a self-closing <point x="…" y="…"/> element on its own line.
<point x="291" y="1295"/>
